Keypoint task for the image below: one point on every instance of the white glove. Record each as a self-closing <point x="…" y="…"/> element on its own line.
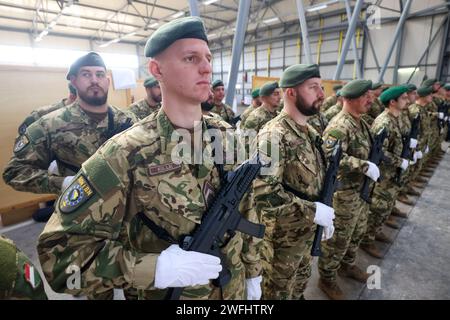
<point x="53" y="168"/>
<point x="404" y="164"/>
<point x="66" y="182"/>
<point x="324" y="215"/>
<point x="327" y="233"/>
<point x="427" y="150"/>
<point x="441" y="115"/>
<point x="446" y="118"/>
<point x="176" y="267"/>
<point x="254" y="288"/>
<point x="373" y="172"/>
<point x="412" y="143"/>
<point x="418" y="155"/>
<point x="444" y="146"/>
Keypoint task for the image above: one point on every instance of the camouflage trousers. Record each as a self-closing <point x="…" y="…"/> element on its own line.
<point x="350" y="225"/>
<point x="302" y="277"/>
<point x="19" y="279"/>
<point x="383" y="200"/>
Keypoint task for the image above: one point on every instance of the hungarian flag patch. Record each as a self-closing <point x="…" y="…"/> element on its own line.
<point x="29" y="274"/>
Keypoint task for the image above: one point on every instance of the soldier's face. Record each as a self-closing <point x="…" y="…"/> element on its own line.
<point x="219" y="93"/>
<point x="154" y="93"/>
<point x="92" y="85"/>
<point x="403" y="101"/>
<point x="362" y="104"/>
<point x="309" y="97"/>
<point x="275" y="98"/>
<point x="184" y="70"/>
<point x="412" y="96"/>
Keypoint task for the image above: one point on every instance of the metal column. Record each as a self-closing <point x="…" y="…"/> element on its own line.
<point x="399" y="51"/>
<point x="238" y="44"/>
<point x="193" y="7"/>
<point x="443" y="50"/>
<point x="304" y="27"/>
<point x="354" y="47"/>
<point x="348" y="38"/>
<point x="398" y="31"/>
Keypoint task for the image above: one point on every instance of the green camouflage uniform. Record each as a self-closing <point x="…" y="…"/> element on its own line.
<point x="432" y="109"/>
<point x="258" y="118"/>
<point x="39" y="113"/>
<point x="142" y="109"/>
<point x="386" y="191"/>
<point x="68" y="136"/>
<point x="376" y="108"/>
<point x="328" y="103"/>
<point x="98" y="229"/>
<point x="333" y="111"/>
<point x="350" y="210"/>
<point x="246" y="113"/>
<point x="443" y="132"/>
<point x="289" y="220"/>
<point x="319" y="122"/>
<point x="224" y="111"/>
<point x="19" y="279"/>
<point x="405" y="127"/>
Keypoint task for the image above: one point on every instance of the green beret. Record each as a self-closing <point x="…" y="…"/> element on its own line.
<point x="337" y="87"/>
<point x="384" y="89"/>
<point x="150" y="82"/>
<point x="355" y="88"/>
<point x="297" y="74"/>
<point x="92" y="59"/>
<point x="376" y="85"/>
<point x="429" y="82"/>
<point x="392" y="93"/>
<point x="447" y="87"/>
<point x="217" y="83"/>
<point x="268" y="88"/>
<point x="72" y="89"/>
<point x="255" y="93"/>
<point x="338" y="93"/>
<point x="411" y="87"/>
<point x="164" y="36"/>
<point x="424" y="91"/>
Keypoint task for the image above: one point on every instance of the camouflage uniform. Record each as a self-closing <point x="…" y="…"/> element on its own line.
<point x="376" y="108"/>
<point x="385" y="192"/>
<point x="442" y="133"/>
<point x="142" y="109"/>
<point x="434" y="142"/>
<point x="328" y="103"/>
<point x="258" y="118"/>
<point x="350" y="210"/>
<point x="19" y="279"/>
<point x="405" y="128"/>
<point x="67" y="135"/>
<point x="224" y="111"/>
<point x="246" y="113"/>
<point x="289" y="220"/>
<point x="319" y="122"/>
<point x="333" y="111"/>
<point x="39" y="113"/>
<point x="98" y="229"/>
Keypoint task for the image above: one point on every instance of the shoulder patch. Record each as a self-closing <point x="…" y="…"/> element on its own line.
<point x="336" y="134"/>
<point x="21" y="143"/>
<point x="331" y="141"/>
<point x="76" y="194"/>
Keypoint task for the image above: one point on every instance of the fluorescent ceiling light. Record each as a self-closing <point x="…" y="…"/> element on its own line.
<point x="154" y="25"/>
<point x="52" y="24"/>
<point x="271" y="20"/>
<point x="212" y="35"/>
<point x="109" y="42"/>
<point x="178" y="14"/>
<point x="130" y="34"/>
<point x="208" y="2"/>
<point x="43" y="33"/>
<point x="317" y="7"/>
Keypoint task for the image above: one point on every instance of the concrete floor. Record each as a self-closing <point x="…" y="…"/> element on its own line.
<point x="416" y="265"/>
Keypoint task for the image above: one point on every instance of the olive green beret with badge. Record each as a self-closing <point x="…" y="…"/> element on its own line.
<point x="92" y="59"/>
<point x="297" y="74"/>
<point x="255" y="93"/>
<point x="424" y="91"/>
<point x="150" y="82"/>
<point x="268" y="88"/>
<point x="429" y="82"/>
<point x="217" y="83"/>
<point x="183" y="28"/>
<point x="411" y="87"/>
<point x="356" y="88"/>
<point x="392" y="93"/>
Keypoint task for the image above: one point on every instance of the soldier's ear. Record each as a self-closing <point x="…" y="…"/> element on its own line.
<point x="154" y="67"/>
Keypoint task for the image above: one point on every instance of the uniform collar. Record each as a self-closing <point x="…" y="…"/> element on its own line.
<point x="79" y="116"/>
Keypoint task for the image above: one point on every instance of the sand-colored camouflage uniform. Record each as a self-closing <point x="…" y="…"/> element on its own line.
<point x="224" y="111"/>
<point x="142" y="109"/>
<point x="328" y="103"/>
<point x="376" y="108"/>
<point x="246" y="113"/>
<point x="96" y="229"/>
<point x="319" y="122"/>
<point x="333" y="111"/>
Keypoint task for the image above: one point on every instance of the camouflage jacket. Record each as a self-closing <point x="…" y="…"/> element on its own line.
<point x="393" y="145"/>
<point x="356" y="142"/>
<point x="376" y="108"/>
<point x="246" y="113"/>
<point x="424" y="127"/>
<point x="258" y="118"/>
<point x="432" y="109"/>
<point x="67" y="135"/>
<point x="319" y="122"/>
<point x="39" y="112"/>
<point x="405" y="123"/>
<point x="328" y="103"/>
<point x="224" y="111"/>
<point x="333" y="111"/>
<point x="296" y="161"/>
<point x="142" y="109"/>
<point x="95" y="226"/>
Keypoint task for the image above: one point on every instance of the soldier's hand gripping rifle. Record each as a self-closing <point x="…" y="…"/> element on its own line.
<point x="222" y="219"/>
<point x="407" y="152"/>
<point x="376" y="155"/>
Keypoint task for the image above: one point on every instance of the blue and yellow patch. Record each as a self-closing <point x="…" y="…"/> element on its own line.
<point x="79" y="192"/>
<point x="21" y="143"/>
<point x="331" y="142"/>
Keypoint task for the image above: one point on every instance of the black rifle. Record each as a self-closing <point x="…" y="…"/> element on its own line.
<point x="221" y="221"/>
<point x="407" y="152"/>
<point x="235" y="120"/>
<point x="375" y="156"/>
<point x="326" y="196"/>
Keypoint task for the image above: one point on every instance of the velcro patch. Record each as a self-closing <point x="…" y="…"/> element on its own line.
<point x="21" y="143"/>
<point x="78" y="193"/>
<point x="154" y="170"/>
<point x="331" y="142"/>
